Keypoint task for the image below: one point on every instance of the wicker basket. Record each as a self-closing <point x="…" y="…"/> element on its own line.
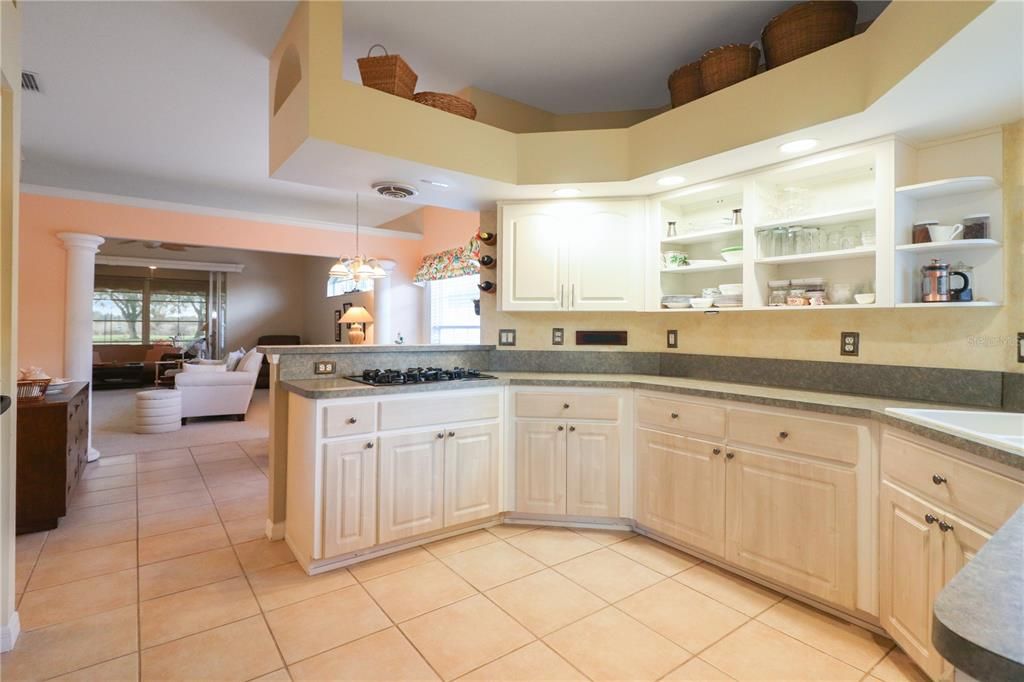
<point x="388" y="74"/>
<point x="446" y="102"/>
<point x="30" y="390"/>
<point x="806" y="28"/>
<point x="684" y="84"/>
<point x="727" y="65"/>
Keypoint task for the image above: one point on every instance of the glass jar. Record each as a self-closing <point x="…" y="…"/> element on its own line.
<point x="850" y="238"/>
<point x="810" y="240"/>
<point x="764" y="244"/>
<point x="778" y="290"/>
<point x="779" y="235"/>
<point x="792" y="241"/>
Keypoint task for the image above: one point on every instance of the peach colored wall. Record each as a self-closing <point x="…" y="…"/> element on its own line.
<point x="42" y="255"/>
<point x="445" y="228"/>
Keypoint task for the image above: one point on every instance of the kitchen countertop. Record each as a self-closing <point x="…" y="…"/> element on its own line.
<point x="367" y="348"/>
<point x="978" y="617"/>
<point x="827" y="403"/>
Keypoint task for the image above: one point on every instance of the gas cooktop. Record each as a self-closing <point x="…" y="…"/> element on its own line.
<point x="417" y="375"/>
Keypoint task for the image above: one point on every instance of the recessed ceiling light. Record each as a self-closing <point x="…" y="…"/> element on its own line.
<point x="566" y="192"/>
<point x="435" y="183"/>
<point x="671" y="180"/>
<point x="152" y="267"/>
<point x="797" y="146"/>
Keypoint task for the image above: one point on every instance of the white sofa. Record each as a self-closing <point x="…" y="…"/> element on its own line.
<point x="211" y="390"/>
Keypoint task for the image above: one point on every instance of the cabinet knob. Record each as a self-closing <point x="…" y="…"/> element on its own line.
<point x="938" y="479"/>
<point x="572" y="428"/>
<point x="675" y="415"/>
<point x="930" y="519"/>
<point x="561" y="428"/>
<point x="945" y="527"/>
<point x="730" y="455"/>
<point x="441" y="435"/>
<point x="352" y="420"/>
<point x="369" y="445"/>
<point x="716" y="451"/>
<point x="451" y="434"/>
<point x="565" y="406"/>
<point x="783" y="435"/>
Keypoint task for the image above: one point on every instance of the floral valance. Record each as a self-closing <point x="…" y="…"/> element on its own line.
<point x="457" y="262"/>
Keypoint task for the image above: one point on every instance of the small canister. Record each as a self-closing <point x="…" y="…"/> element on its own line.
<point x="977" y="226"/>
<point x="779" y="288"/>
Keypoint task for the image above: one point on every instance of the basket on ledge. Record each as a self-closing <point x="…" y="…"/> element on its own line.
<point x="445" y="102"/>
<point x="31" y="390"/>
<point x="806" y="28"/>
<point x="684" y="84"/>
<point x="388" y="73"/>
<point x="728" y="65"/>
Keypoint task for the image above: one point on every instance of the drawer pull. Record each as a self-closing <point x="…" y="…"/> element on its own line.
<point x="675" y="415"/>
<point x="938" y="479"/>
<point x="716" y="451"/>
<point x="730" y="455"/>
<point x="565" y="406"/>
<point x="352" y="420"/>
<point x="572" y="428"/>
<point x="945" y="527"/>
<point x="930" y="519"/>
<point x="783" y="435"/>
<point x="369" y="445"/>
<point x="561" y="428"/>
<point x="441" y="435"/>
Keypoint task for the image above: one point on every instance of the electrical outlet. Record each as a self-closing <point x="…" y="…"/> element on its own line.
<point x="849" y="343"/>
<point x="557" y="336"/>
<point x="506" y="337"/>
<point x="324" y="367"/>
<point x="672" y="338"/>
<point x="1020" y="346"/>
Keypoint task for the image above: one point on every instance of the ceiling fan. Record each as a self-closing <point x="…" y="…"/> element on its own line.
<point x="167" y="246"/>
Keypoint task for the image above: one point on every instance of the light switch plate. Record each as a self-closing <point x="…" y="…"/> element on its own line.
<point x="1020" y="346"/>
<point x="557" y="336"/>
<point x="506" y="337"/>
<point x="324" y="367"/>
<point x="672" y="338"/>
<point x="849" y="343"/>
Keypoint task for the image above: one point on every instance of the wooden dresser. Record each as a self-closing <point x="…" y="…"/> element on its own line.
<point x="53" y="441"/>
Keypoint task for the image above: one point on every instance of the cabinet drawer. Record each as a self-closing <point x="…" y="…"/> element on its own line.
<point x="348" y="419"/>
<point x="679" y="416"/>
<point x="437" y="409"/>
<point x="803" y="435"/>
<point x="568" y="406"/>
<point x="960" y="487"/>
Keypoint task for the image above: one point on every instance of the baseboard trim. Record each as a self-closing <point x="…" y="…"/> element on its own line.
<point x="9" y="633"/>
<point x="275" y="531"/>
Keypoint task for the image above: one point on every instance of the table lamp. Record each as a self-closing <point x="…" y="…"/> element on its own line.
<point x="357" y="316"/>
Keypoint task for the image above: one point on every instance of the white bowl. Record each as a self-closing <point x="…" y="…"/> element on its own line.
<point x="701" y="303"/>
<point x="732" y="256"/>
<point x="731" y="289"/>
<point x="864" y="299"/>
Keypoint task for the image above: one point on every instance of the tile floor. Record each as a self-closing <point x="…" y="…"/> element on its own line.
<point x="161" y="572"/>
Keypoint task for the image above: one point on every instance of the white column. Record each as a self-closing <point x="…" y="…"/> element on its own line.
<point x="383" y="333"/>
<point x="81" y="274"/>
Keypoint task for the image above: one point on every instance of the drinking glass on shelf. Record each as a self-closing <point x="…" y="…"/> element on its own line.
<point x="793" y="241"/>
<point x="810" y="240"/>
<point x="764" y="244"/>
<point x="867" y="237"/>
<point x="835" y="238"/>
<point x="851" y="237"/>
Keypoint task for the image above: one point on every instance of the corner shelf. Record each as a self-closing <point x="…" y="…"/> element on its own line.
<point x="948" y="186"/>
<point x="704" y="235"/>
<point x="953" y="245"/>
<point x="818" y="219"/>
<point x="702" y="268"/>
<point x="819" y="256"/>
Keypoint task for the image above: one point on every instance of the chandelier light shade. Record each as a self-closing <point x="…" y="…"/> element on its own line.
<point x="359" y="267"/>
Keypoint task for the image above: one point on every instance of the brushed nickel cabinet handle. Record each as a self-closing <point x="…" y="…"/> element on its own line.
<point x="561" y="428"/>
<point x="716" y="451"/>
<point x="561" y="295"/>
<point x="352" y="420"/>
<point x="441" y="435"/>
<point x="565" y="406"/>
<point x="945" y="527"/>
<point x="369" y="445"/>
<point x="572" y="428"/>
<point x="938" y="479"/>
<point x="930" y="519"/>
<point x="730" y="455"/>
<point x="674" y="415"/>
<point x="783" y="435"/>
<point x="451" y="434"/>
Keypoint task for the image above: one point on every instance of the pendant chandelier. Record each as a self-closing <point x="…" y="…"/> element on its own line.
<point x="359" y="267"/>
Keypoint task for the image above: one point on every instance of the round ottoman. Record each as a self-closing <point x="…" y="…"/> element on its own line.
<point x="157" y="411"/>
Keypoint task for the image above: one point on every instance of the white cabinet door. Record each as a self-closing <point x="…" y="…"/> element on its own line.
<point x="681" y="489"/>
<point x="605" y="257"/>
<point x="411" y="498"/>
<point x="533" y="257"/>
<point x="794" y="521"/>
<point x="592" y="470"/>
<point x="470" y="473"/>
<point x="350" y="497"/>
<point x="540" y="467"/>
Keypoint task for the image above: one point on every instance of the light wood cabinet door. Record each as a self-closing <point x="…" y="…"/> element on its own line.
<point x="605" y="257"/>
<point x="911" y="571"/>
<point x="540" y="467"/>
<point x="681" y="489"/>
<point x="411" y="497"/>
<point x="793" y="521"/>
<point x="470" y="473"/>
<point x="350" y="497"/>
<point x="592" y="470"/>
<point x="534" y="260"/>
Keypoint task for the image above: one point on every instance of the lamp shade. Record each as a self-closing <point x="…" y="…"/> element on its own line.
<point x="357" y="313"/>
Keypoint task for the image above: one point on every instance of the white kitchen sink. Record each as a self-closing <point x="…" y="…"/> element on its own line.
<point x="1000" y="429"/>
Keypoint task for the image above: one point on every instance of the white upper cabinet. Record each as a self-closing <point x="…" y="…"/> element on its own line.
<point x="572" y="255"/>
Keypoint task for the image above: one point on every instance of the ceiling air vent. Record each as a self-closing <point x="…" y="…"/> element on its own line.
<point x="30" y="81"/>
<point x="394" y="190"/>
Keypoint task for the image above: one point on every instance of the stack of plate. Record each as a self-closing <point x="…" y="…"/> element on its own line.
<point x="677" y="300"/>
<point x="728" y="301"/>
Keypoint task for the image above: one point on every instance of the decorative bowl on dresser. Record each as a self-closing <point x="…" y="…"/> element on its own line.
<point x="53" y="441"/>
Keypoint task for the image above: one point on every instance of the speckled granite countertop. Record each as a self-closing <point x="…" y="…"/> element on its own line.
<point x="367" y="348"/>
<point x="828" y="403"/>
<point x="979" y="615"/>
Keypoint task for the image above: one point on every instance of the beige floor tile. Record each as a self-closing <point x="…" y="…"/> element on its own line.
<point x="173" y="502"/>
<point x="492" y="565"/>
<point x="383" y="656"/>
<point x="288" y="583"/>
<point x="217" y="448"/>
<point x="22" y="572"/>
<point x="187" y="471"/>
<point x="78" y="599"/>
<point x="255" y="446"/>
<point x="238" y="651"/>
<point x="687" y="617"/>
<point x="276" y="676"/>
<point x="181" y="542"/>
<point x="187" y="572"/>
<point x="553" y="545"/>
<point x="241" y="463"/>
<point x="174" y="485"/>
<point x="609" y="574"/>
<point x="897" y="667"/>
<point x="262" y="554"/>
<point x="508" y="530"/>
<point x="610" y="645"/>
<point x="108" y="460"/>
<point x="246" y="528"/>
<point x="315" y="625"/>
<point x="76" y="538"/>
<point x="29" y="544"/>
<point x="545" y="601"/>
<point x="535" y="661"/>
<point x="731" y="590"/>
<point x="104" y="472"/>
<point x="169" y="462"/>
<point x="604" y="537"/>
<point x="178" y="519"/>
<point x="225" y="491"/>
<point x="56" y="569"/>
<point x="201" y="608"/>
<point x="102" y="514"/>
<point x="154" y="455"/>
<point x="758" y="652"/>
<point x="95" y="499"/>
<point x="253" y="505"/>
<point x="696" y="670"/>
<point x="391" y="563"/>
<point x="459" y="543"/>
<point x="262" y="461"/>
<point x="81" y="643"/>
<point x="465" y="635"/>
<point x="655" y="555"/>
<point x="417" y="590"/>
<point x="106" y="483"/>
<point x="123" y="669"/>
<point x="845" y="641"/>
<point x="221" y="455"/>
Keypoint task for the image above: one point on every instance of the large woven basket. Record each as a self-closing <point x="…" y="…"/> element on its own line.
<point x="388" y="74"/>
<point x="806" y="28"/>
<point x="728" y="65"/>
<point x="32" y="390"/>
<point x="446" y="102"/>
<point x="684" y="84"/>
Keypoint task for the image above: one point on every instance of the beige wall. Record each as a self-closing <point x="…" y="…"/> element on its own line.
<point x="318" y="309"/>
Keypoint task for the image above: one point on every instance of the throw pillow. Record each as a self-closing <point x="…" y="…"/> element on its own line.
<point x="189" y="367"/>
<point x="250" y="362"/>
<point x="233" y="358"/>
